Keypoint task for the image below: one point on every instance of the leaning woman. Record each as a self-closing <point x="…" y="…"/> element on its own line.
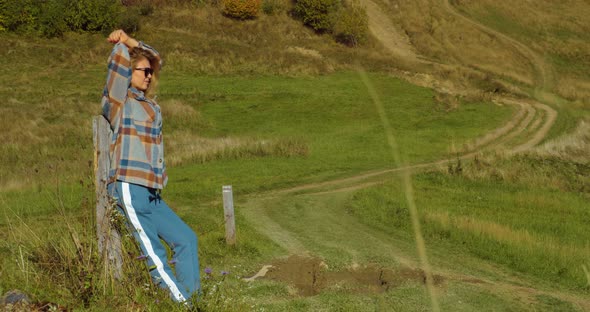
<point x="138" y="172"/>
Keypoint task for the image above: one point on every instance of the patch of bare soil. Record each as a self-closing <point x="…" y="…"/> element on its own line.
<point x="310" y="276"/>
<point x="387" y="33"/>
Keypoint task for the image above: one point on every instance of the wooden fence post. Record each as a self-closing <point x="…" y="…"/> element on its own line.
<point x="109" y="240"/>
<point x="228" y="209"/>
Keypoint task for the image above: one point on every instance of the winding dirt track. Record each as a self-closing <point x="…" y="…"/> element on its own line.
<point x="527" y="127"/>
<point x="543" y="71"/>
<point x="501" y="138"/>
<point x="526" y="116"/>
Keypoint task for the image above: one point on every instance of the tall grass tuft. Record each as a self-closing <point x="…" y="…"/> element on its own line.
<point x="185" y="147"/>
<point x="542" y="169"/>
<point x="571" y="147"/>
<point x="522" y="250"/>
<point x="58" y="260"/>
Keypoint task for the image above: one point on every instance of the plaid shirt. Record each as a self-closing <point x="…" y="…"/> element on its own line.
<point x="137" y="147"/>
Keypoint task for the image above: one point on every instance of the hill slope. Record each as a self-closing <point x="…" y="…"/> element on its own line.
<point x="282" y="114"/>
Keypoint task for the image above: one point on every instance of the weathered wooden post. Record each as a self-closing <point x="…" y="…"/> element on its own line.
<point x="228" y="209"/>
<point x="109" y="240"/>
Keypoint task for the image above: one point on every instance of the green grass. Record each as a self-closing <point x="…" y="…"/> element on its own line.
<point x="330" y="114"/>
<point x="333" y="116"/>
<point x="314" y="112"/>
<point x="553" y="31"/>
<point x="534" y="229"/>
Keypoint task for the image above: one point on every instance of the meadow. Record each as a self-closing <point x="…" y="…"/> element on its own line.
<point x="282" y="115"/>
<point x="541" y="30"/>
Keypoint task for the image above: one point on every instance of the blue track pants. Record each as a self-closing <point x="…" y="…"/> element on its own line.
<point x="150" y="220"/>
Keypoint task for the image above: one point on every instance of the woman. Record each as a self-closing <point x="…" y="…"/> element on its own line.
<point x="138" y="172"/>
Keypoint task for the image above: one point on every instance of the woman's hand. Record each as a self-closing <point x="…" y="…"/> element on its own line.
<point x="120" y="36"/>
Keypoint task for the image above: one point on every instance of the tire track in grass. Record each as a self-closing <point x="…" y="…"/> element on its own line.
<point x="543" y="72"/>
<point x="346" y="226"/>
<point x="522" y="118"/>
<point x="492" y="139"/>
<point x="489" y="138"/>
<point x="259" y="218"/>
<point x="498" y="138"/>
<point x="383" y="29"/>
<point x="539" y="136"/>
<point x="522" y="126"/>
<point x="326" y="224"/>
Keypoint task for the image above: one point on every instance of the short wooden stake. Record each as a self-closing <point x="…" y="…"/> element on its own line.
<point x="228" y="209"/>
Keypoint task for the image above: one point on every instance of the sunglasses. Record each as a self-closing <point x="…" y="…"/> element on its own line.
<point x="146" y="71"/>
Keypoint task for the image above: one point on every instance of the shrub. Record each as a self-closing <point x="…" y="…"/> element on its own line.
<point x="19" y="15"/>
<point x="241" y="9"/>
<point x="54" y="17"/>
<point x="129" y="21"/>
<point x="92" y="15"/>
<point x="317" y="14"/>
<point x="270" y="7"/>
<point x="146" y="9"/>
<point x="3" y="19"/>
<point x="51" y="19"/>
<point x="352" y="25"/>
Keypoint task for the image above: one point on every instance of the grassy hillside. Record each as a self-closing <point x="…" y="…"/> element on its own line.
<point x="559" y="31"/>
<point x="282" y="114"/>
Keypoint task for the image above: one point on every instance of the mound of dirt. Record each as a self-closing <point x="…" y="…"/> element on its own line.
<point x="309" y="275"/>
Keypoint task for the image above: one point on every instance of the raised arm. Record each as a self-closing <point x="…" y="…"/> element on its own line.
<point x="119" y="75"/>
<point x="119" y="36"/>
<point x="115" y="90"/>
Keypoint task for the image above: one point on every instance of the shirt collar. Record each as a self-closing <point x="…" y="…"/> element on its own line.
<point x="137" y="94"/>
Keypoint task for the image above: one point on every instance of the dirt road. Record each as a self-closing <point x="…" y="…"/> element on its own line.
<point x="320" y="228"/>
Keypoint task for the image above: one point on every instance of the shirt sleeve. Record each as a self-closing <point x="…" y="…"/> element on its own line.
<point x="151" y="51"/>
<point x="118" y="80"/>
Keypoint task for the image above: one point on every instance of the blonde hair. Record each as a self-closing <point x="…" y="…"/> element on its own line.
<point x="137" y="54"/>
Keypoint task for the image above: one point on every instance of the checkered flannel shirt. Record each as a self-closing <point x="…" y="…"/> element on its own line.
<point x="137" y="146"/>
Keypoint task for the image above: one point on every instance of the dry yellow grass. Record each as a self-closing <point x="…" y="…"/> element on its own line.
<point x="505" y="234"/>
<point x="572" y="147"/>
<point x="447" y="39"/>
<point x="184" y="146"/>
<point x="558" y="30"/>
<point x="179" y="110"/>
<point x="522" y="46"/>
<point x="42" y="138"/>
<point x="574" y="88"/>
<point x="271" y="44"/>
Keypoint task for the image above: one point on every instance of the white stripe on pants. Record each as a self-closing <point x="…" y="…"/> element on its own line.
<point x="147" y="243"/>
